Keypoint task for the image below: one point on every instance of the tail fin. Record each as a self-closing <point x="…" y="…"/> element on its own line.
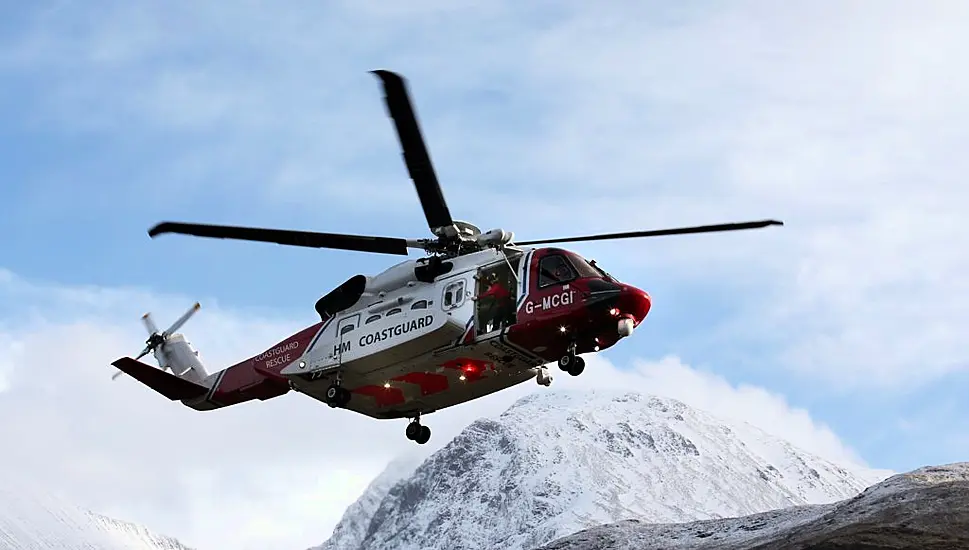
<point x="171" y="386"/>
<point x="179" y="356"/>
<point x="257" y="377"/>
<point x="171" y="350"/>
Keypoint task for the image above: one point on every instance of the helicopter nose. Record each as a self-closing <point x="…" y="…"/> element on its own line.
<point x="635" y="302"/>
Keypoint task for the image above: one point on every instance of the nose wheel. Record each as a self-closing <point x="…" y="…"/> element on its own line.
<point x="337" y="396"/>
<point x="417" y="432"/>
<point x="572" y="363"/>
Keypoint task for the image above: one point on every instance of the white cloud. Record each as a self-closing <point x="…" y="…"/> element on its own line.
<point x="848" y="121"/>
<point x="275" y="474"/>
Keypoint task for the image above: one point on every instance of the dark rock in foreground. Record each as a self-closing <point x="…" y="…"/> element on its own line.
<point x="926" y="509"/>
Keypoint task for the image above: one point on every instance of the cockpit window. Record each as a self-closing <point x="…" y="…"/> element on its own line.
<point x="583" y="267"/>
<point x="554" y="269"/>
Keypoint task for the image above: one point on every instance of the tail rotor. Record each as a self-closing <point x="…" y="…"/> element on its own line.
<point x="156" y="340"/>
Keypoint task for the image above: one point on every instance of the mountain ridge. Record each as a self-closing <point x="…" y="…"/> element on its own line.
<point x="35" y="519"/>
<point x="925" y="509"/>
<point x="560" y="461"/>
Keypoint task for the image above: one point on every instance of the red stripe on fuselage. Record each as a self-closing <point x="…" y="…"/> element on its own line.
<point x="385" y="397"/>
<point x="472" y="369"/>
<point x="258" y="377"/>
<point x="428" y="382"/>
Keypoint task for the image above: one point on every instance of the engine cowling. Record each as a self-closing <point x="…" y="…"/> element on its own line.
<point x="495" y="237"/>
<point x="342" y="297"/>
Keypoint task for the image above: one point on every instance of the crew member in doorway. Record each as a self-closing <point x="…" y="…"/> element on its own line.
<point x="497" y="303"/>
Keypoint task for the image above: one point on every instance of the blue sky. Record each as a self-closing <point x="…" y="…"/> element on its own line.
<point x="548" y="120"/>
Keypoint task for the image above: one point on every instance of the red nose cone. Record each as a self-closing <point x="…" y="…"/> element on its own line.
<point x="636" y="302"/>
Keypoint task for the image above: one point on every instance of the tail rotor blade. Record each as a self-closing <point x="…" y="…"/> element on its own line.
<point x="181" y="320"/>
<point x="149" y="324"/>
<point x="156" y="341"/>
<point x="143" y="353"/>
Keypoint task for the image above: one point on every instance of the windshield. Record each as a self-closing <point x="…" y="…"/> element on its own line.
<point x="584" y="268"/>
<point x="602" y="272"/>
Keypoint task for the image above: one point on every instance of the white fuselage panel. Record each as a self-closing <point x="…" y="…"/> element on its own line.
<point x="397" y="327"/>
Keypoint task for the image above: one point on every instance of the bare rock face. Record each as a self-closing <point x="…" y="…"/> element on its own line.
<point x="557" y="462"/>
<point x="924" y="509"/>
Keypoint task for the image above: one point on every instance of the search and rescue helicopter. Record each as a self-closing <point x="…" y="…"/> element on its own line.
<point x="479" y="314"/>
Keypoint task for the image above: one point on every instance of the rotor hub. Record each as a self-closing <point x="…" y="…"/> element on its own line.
<point x="467" y="230"/>
<point x="155" y="340"/>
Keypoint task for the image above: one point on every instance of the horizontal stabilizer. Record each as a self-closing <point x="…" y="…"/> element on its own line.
<point x="169" y="385"/>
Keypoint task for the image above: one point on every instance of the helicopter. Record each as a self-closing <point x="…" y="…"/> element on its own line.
<point x="478" y="314"/>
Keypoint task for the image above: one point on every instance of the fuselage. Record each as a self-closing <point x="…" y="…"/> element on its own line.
<point x="409" y="346"/>
<point x="478" y="316"/>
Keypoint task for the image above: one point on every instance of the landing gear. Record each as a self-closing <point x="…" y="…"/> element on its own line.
<point x="571" y="363"/>
<point x="418" y="433"/>
<point x="576" y="367"/>
<point x="336" y="396"/>
<point x="543" y="377"/>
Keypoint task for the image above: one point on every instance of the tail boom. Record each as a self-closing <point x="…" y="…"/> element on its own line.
<point x="258" y="377"/>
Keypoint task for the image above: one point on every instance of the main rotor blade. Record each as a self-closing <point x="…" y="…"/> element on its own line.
<point x="660" y="232"/>
<point x="381" y="245"/>
<point x="415" y="152"/>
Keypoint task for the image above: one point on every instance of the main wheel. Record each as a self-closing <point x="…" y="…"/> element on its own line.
<point x="343" y="397"/>
<point x="566" y="362"/>
<point x="424" y="436"/>
<point x="333" y="394"/>
<point x="577" y="366"/>
<point x="413" y="431"/>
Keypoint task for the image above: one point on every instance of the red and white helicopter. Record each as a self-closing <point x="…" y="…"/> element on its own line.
<point x="479" y="314"/>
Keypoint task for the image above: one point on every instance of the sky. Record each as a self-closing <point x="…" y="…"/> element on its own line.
<point x="841" y="331"/>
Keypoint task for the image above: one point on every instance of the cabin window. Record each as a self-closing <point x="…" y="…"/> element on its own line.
<point x="419" y="304"/>
<point x="453" y="295"/>
<point x="394" y="311"/>
<point x="373" y="318"/>
<point x="554" y="269"/>
<point x="348" y="323"/>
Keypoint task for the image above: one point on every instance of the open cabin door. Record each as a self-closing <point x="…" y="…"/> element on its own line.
<point x="344" y="329"/>
<point x="496" y="294"/>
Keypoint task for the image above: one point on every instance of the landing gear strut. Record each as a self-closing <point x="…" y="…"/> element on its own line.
<point x="337" y="396"/>
<point x="416" y="432"/>
<point x="543" y="377"/>
<point x="570" y="362"/>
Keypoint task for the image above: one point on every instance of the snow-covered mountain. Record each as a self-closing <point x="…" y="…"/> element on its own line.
<point x="33" y="519"/>
<point x="558" y="462"/>
<point x="355" y="522"/>
<point x="924" y="509"/>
